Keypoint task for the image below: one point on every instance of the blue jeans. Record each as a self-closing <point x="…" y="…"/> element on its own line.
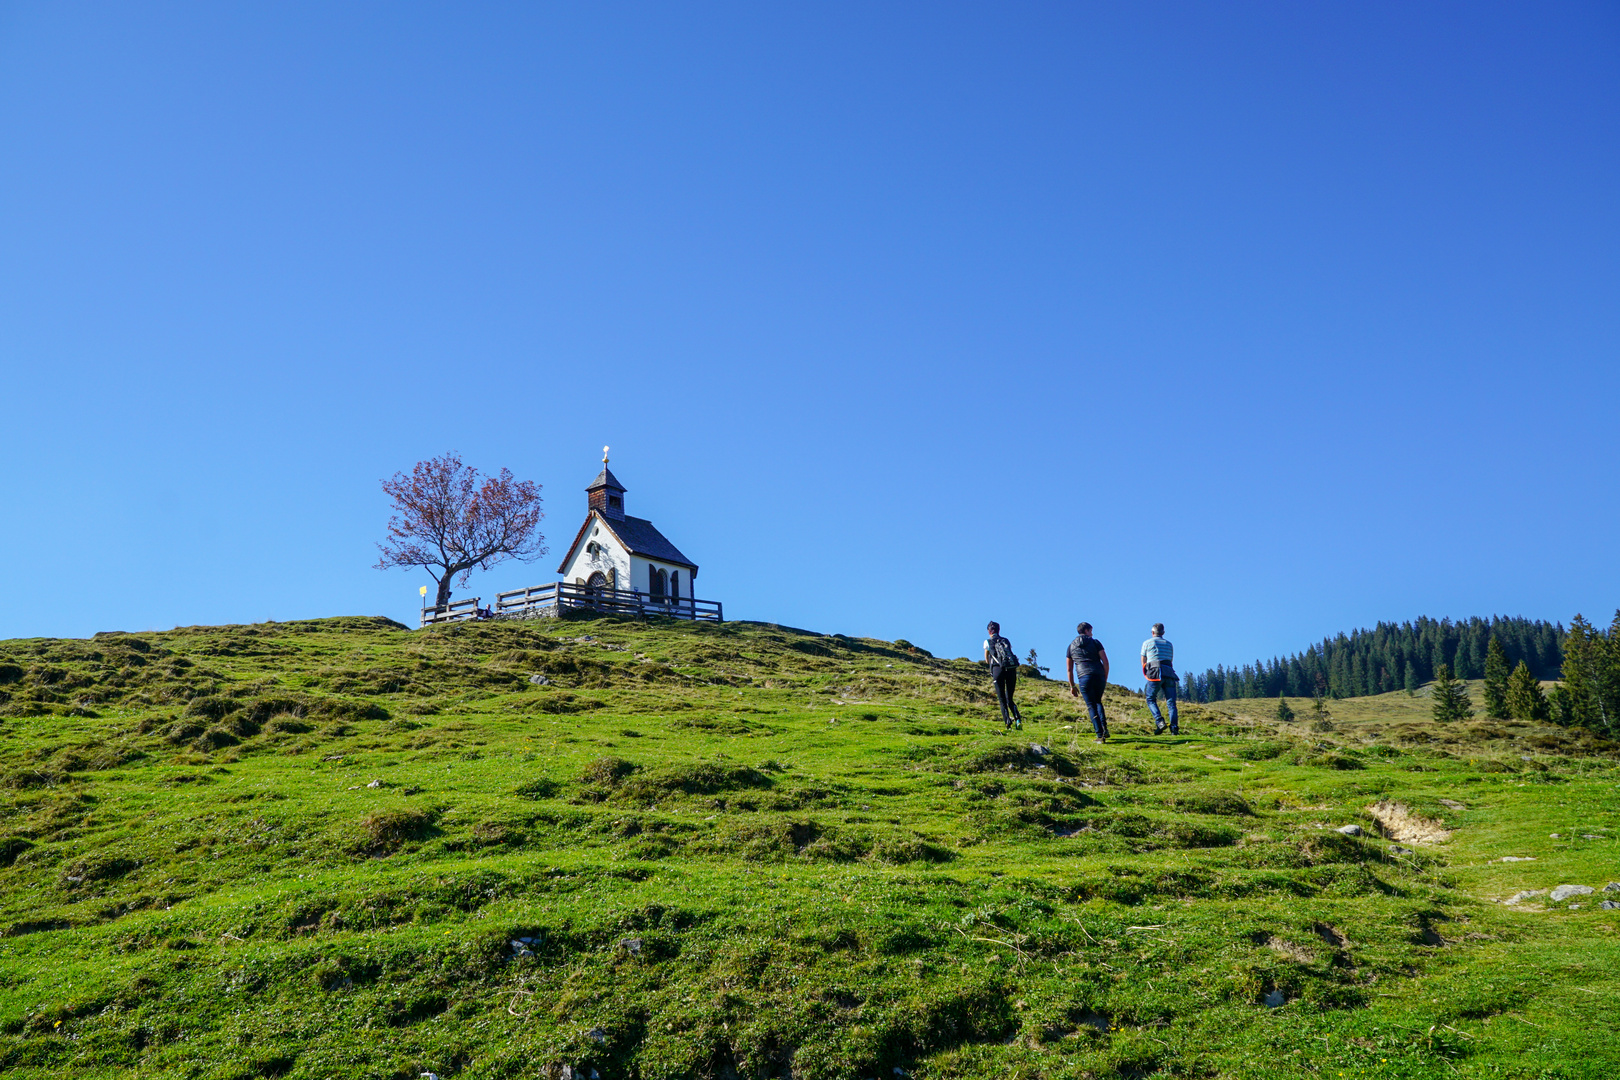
<point x="1092" y="684"/>
<point x="1165" y="688"/>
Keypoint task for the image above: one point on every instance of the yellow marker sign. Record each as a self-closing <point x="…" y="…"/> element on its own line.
<point x="423" y="591"/>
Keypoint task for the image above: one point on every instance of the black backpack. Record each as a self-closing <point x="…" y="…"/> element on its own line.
<point x="1002" y="655"/>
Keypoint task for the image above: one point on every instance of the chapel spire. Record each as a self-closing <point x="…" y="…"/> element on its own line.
<point x="606" y="494"/>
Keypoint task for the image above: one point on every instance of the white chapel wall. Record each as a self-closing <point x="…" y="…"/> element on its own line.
<point x="610" y="556"/>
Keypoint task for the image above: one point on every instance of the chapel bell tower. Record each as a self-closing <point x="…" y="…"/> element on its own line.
<point x="606" y="494"/>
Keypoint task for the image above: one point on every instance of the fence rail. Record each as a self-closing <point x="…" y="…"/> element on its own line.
<point x="541" y="601"/>
<point x="459" y="611"/>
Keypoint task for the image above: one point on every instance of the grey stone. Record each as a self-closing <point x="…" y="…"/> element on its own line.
<point x="1352" y="830"/>
<point x="631" y="945"/>
<point x="1453" y="804"/>
<point x="1525" y="895"/>
<point x="1274" y="999"/>
<point x="1574" y="907"/>
<point x="1518" y="858"/>
<point x="375" y="784"/>
<point x="1038" y="750"/>
<point x="1396" y="849"/>
<point x="596" y="1034"/>
<point x="430" y="1076"/>
<point x="539" y="680"/>
<point x="1609" y="905"/>
<point x="1590" y="836"/>
<point x="1553" y="836"/>
<point x="1564" y="892"/>
<point x="1613" y="886"/>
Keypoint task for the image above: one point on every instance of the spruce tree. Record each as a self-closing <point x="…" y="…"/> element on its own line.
<point x="1450" y="697"/>
<point x="1410" y="681"/>
<point x="1284" y="713"/>
<point x="1524" y="697"/>
<point x="1581" y="650"/>
<point x="1496" y="681"/>
<point x="1609" y="683"/>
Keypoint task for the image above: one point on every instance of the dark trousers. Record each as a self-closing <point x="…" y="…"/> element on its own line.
<point x="1006" y="683"/>
<point x="1092" y="684"/>
<point x="1165" y="688"/>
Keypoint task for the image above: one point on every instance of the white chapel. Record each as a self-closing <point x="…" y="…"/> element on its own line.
<point x="614" y="551"/>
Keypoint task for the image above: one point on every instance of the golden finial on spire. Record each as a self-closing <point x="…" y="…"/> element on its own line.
<point x="604" y="455"/>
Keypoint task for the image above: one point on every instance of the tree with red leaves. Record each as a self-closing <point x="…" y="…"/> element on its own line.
<point x="448" y="522"/>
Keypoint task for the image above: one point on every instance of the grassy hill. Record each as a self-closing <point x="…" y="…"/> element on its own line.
<point x="340" y="848"/>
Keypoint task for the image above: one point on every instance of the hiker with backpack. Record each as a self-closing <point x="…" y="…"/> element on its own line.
<point x="1161" y="676"/>
<point x="1003" y="661"/>
<point x="1089" y="661"/>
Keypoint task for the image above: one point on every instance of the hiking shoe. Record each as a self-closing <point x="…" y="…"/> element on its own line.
<point x="1158" y="728"/>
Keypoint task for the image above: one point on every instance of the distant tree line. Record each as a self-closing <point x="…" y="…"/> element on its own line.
<point x="1391" y="656"/>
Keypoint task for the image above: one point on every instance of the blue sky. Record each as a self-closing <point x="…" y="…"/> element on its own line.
<point x="1263" y="320"/>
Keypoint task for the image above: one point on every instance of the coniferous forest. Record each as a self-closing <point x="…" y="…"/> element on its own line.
<point x="1391" y="656"/>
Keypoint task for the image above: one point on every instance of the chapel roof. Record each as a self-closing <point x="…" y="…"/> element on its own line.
<point x="638" y="535"/>
<point x="606" y="479"/>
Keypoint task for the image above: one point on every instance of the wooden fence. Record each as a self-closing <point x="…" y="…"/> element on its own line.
<point x="542" y="601"/>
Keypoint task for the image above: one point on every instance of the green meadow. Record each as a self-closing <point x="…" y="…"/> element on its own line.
<point x="603" y="848"/>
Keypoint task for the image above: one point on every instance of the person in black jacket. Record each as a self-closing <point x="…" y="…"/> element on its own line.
<point x="1089" y="660"/>
<point x="998" y="653"/>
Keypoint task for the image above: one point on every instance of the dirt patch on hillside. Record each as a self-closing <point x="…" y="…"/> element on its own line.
<point x="1397" y="822"/>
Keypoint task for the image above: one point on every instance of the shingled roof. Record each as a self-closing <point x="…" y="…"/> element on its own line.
<point x="606" y="479"/>
<point x="643" y="538"/>
<point x="638" y="535"/>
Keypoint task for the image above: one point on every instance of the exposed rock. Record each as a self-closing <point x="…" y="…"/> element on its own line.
<point x="1451" y="804"/>
<point x="1275" y="999"/>
<point x="596" y="1034"/>
<point x="1564" y="892"/>
<point x="1609" y="905"/>
<point x="375" y="784"/>
<point x="1396" y="849"/>
<point x="1397" y="822"/>
<point x="1517" y="858"/>
<point x="1038" y="750"/>
<point x="539" y="680"/>
<point x="631" y="945"/>
<point x="1613" y="886"/>
<point x="1352" y="830"/>
<point x="1525" y="895"/>
<point x="1590" y="836"/>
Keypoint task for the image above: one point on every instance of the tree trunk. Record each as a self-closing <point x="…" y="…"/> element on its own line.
<point x="443" y="600"/>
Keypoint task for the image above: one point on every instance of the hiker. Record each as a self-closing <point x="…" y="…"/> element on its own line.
<point x="1089" y="660"/>
<point x="1160" y="673"/>
<point x="1003" y="661"/>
